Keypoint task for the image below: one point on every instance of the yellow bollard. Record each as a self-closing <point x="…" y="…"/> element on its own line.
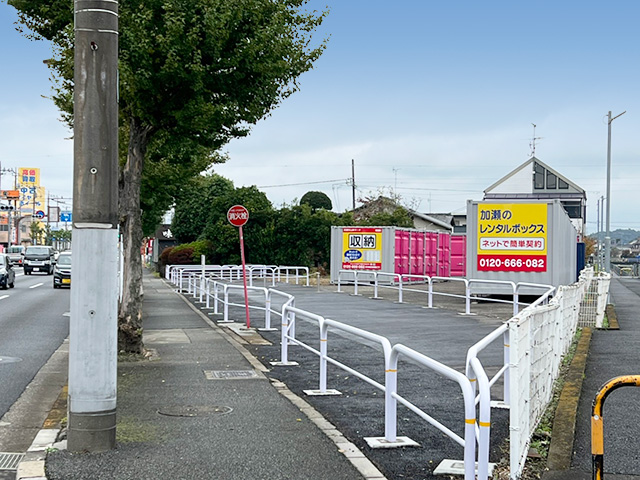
<point x="597" y="424"/>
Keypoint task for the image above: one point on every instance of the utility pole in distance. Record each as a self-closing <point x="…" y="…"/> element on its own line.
<point x="353" y="184"/>
<point x="607" y="238"/>
<point x="93" y="339"/>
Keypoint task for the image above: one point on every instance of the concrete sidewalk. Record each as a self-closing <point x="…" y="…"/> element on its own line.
<point x="201" y="408"/>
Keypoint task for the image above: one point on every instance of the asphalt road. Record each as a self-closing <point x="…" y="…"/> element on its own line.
<point x="33" y="324"/>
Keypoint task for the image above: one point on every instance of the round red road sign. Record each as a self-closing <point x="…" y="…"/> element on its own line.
<point x="238" y="215"/>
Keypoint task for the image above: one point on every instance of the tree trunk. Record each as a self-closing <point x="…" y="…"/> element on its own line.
<point x="130" y="309"/>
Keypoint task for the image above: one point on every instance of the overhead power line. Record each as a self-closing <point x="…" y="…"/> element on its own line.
<point x="304" y="183"/>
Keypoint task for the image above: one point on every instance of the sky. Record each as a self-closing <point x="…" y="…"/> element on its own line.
<point x="432" y="101"/>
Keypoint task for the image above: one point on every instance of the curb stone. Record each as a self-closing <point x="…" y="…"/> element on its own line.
<point x="564" y="423"/>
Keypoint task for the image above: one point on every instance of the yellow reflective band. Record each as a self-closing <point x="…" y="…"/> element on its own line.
<point x="507" y="345"/>
<point x="484" y="424"/>
<point x="323" y="339"/>
<point x="390" y="371"/>
<point x="473" y="379"/>
<point x="470" y="420"/>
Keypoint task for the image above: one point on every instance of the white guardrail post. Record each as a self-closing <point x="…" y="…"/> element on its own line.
<point x="225" y="304"/>
<point x="216" y="299"/>
<point x="484" y="420"/>
<point x="208" y="293"/>
<point x="467" y="300"/>
<point x="507" y="374"/>
<point x="375" y="285"/>
<point x="267" y="309"/>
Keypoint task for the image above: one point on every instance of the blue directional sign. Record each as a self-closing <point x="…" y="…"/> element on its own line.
<point x="65" y="216"/>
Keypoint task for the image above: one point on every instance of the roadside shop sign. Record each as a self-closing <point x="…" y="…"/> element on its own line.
<point x="512" y="237"/>
<point x="361" y="248"/>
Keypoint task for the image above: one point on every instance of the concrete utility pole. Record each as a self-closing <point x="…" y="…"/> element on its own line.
<point x="598" y="236"/>
<point x="607" y="238"/>
<point x="93" y="337"/>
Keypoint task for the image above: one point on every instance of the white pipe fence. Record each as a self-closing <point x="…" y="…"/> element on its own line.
<point x="398" y="282"/>
<point x="208" y="290"/>
<point x="176" y="273"/>
<point x="534" y="342"/>
<point x="390" y="356"/>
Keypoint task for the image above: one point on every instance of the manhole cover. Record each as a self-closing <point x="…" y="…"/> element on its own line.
<point x="9" y="360"/>
<point x="10" y="461"/>
<point x="194" y="411"/>
<point x="229" y="374"/>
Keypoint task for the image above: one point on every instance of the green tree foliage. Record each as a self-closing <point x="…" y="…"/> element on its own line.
<point x="399" y="218"/>
<point x="194" y="74"/>
<point x="224" y="236"/>
<point x="292" y="235"/>
<point x="194" y="208"/>
<point x="37" y="232"/>
<point x="316" y="200"/>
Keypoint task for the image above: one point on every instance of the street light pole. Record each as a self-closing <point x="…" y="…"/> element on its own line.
<point x="607" y="238"/>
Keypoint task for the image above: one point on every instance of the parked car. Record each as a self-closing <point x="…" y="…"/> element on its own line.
<point x="62" y="271"/>
<point x="7" y="275"/>
<point x="16" y="254"/>
<point x="38" y="258"/>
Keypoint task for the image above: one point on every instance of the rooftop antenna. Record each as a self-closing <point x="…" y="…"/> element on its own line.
<point x="532" y="145"/>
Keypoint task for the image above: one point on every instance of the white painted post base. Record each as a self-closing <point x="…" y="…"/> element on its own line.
<point x="284" y="364"/>
<point x="456" y="467"/>
<point x="381" y="442"/>
<point x="319" y="393"/>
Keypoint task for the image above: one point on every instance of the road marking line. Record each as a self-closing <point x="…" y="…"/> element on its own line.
<point x="4" y="296"/>
<point x="36" y="285"/>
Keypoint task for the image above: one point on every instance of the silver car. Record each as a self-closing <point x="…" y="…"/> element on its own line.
<point x="7" y="275"/>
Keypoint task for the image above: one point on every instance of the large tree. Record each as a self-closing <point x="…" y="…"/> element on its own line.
<point x="316" y="200"/>
<point x="193" y="75"/>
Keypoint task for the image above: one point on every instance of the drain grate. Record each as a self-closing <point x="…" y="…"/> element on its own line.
<point x="9" y="360"/>
<point x="230" y="374"/>
<point x="194" y="411"/>
<point x="10" y="461"/>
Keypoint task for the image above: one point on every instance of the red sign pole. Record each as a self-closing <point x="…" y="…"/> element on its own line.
<point x="244" y="278"/>
<point x="238" y="216"/>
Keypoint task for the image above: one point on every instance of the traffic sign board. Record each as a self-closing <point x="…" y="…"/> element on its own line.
<point x="238" y="215"/>
<point x="65" y="216"/>
<point x="39" y="214"/>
